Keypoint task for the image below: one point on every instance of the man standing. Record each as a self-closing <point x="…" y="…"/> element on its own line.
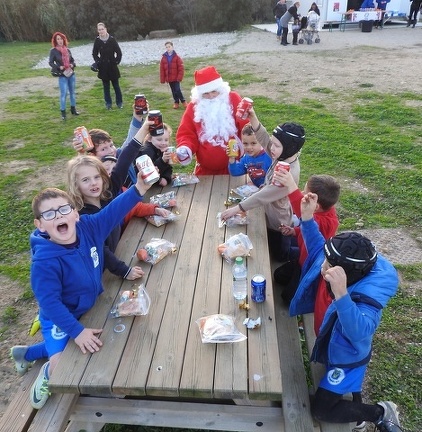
<point x="208" y="123"/>
<point x="279" y="10"/>
<point x="108" y="55"/>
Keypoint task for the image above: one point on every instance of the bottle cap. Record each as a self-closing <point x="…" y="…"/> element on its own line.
<point x="239" y="260"/>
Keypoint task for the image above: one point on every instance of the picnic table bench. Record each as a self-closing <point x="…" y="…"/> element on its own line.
<point x="154" y="370"/>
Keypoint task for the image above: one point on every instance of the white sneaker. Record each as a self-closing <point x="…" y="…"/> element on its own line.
<point x="18" y="355"/>
<point x="389" y="422"/>
<point x="39" y="390"/>
<point x="361" y="427"/>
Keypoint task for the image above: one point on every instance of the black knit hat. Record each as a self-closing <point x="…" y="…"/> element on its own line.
<point x="291" y="136"/>
<point x="352" y="251"/>
<point x="108" y="158"/>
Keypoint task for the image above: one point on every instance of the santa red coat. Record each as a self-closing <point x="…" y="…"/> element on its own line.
<point x="210" y="160"/>
<point x="173" y="71"/>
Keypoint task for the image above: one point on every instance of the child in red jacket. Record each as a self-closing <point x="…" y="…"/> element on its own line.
<point x="172" y="71"/>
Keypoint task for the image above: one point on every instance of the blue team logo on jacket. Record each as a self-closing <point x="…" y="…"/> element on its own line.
<point x="336" y="376"/>
<point x="94" y="256"/>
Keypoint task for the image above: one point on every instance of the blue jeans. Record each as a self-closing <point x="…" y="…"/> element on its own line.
<point x="277" y="20"/>
<point x="117" y="91"/>
<point x="176" y="92"/>
<point x="67" y="85"/>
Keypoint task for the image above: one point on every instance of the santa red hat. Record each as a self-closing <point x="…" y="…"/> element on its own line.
<point x="207" y="80"/>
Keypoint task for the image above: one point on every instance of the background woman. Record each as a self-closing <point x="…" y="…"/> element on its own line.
<point x="63" y="65"/>
<point x="107" y="54"/>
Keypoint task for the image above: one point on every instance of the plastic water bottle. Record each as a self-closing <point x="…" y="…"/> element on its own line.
<point x="240" y="279"/>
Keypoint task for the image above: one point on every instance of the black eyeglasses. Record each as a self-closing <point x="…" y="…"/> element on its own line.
<point x="49" y="215"/>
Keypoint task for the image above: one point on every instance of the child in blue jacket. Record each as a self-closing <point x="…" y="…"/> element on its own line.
<point x="360" y="282"/>
<point x="66" y="275"/>
<point x="255" y="162"/>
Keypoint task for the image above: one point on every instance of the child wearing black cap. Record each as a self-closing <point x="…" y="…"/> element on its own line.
<point x="284" y="145"/>
<point x="360" y="282"/>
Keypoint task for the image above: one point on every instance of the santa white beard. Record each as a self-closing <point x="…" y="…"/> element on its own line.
<point x="217" y="119"/>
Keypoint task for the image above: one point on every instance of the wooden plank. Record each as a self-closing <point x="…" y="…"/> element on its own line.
<point x="19" y="413"/>
<point x="167" y="363"/>
<point x="132" y="375"/>
<point x="318" y="371"/>
<point x="199" y="366"/>
<point x="54" y="416"/>
<point x="179" y="415"/>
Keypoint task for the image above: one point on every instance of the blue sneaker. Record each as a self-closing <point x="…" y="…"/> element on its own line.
<point x="17" y="353"/>
<point x="39" y="390"/>
<point x="389" y="421"/>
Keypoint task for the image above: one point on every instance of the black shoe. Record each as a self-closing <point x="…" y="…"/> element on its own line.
<point x="120" y="106"/>
<point x="295" y="43"/>
<point x="73" y="111"/>
<point x="63" y="114"/>
<point x="283" y="43"/>
<point x="389" y="422"/>
<point x="108" y="107"/>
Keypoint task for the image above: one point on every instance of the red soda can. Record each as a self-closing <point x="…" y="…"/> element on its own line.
<point x="280" y="166"/>
<point x="81" y="132"/>
<point x="141" y="104"/>
<point x="258" y="288"/>
<point x="157" y="128"/>
<point x="147" y="169"/>
<point x="243" y="108"/>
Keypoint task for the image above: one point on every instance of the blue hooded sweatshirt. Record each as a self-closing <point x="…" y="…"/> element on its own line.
<point x="346" y="333"/>
<point x="67" y="281"/>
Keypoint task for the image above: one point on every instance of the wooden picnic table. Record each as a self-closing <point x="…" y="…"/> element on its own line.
<point x="157" y="371"/>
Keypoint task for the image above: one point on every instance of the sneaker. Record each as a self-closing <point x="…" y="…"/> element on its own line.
<point x="108" y="107"/>
<point x="361" y="427"/>
<point x="39" y="390"/>
<point x="17" y="353"/>
<point x="120" y="106"/>
<point x="185" y="104"/>
<point x="175" y="105"/>
<point x="389" y="422"/>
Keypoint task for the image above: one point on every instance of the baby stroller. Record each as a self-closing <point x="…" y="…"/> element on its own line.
<point x="310" y="28"/>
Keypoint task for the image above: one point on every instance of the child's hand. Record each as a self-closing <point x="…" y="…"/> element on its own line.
<point x="159" y="211"/>
<point x="162" y="182"/>
<point x="287" y="230"/>
<point x="337" y="279"/>
<point x="88" y="341"/>
<point x="141" y="185"/>
<point x="143" y="131"/>
<point x="166" y="156"/>
<point x="308" y="205"/>
<point x="135" y="273"/>
<point x="78" y="144"/>
<point x="230" y="212"/>
<point x="285" y="178"/>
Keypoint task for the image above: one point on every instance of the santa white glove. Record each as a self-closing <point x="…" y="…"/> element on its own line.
<point x="184" y="154"/>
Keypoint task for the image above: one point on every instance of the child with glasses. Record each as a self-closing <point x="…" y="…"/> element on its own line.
<point x="66" y="275"/>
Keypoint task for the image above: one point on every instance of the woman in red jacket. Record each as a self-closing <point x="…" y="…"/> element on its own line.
<point x="172" y="71"/>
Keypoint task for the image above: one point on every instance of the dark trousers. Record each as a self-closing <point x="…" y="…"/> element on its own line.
<point x="117" y="91"/>
<point x="284" y="35"/>
<point x="279" y="245"/>
<point x="176" y="91"/>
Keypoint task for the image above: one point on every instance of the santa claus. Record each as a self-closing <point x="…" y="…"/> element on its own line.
<point x="208" y="123"/>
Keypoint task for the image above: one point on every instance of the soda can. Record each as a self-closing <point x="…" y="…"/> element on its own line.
<point x="81" y="133"/>
<point x="258" y="288"/>
<point x="280" y="166"/>
<point x="157" y="128"/>
<point x="141" y="106"/>
<point x="173" y="156"/>
<point x="147" y="169"/>
<point x="243" y="108"/>
<point x="233" y="148"/>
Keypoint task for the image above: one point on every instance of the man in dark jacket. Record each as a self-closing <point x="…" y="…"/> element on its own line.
<point x="107" y="54"/>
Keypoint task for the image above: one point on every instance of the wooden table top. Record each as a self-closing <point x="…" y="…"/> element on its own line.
<point x="161" y="354"/>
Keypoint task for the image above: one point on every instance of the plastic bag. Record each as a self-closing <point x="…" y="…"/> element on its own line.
<point x="236" y="245"/>
<point x="132" y="302"/>
<point x="245" y="190"/>
<point x="156" y="250"/>
<point x="185" y="179"/>
<point x="165" y="200"/>
<point x="219" y="328"/>
<point x="237" y="219"/>
<point x="157" y="220"/>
